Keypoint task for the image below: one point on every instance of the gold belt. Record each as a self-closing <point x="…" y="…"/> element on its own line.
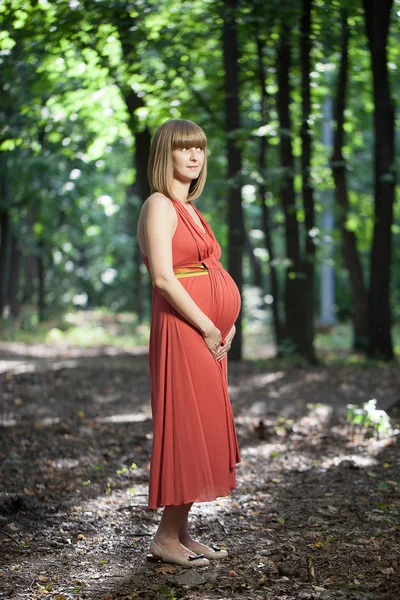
<point x="189" y="270"/>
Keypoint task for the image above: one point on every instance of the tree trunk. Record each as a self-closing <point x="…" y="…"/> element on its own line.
<point x="377" y="17"/>
<point x="234" y="156"/>
<point x="296" y="336"/>
<point x="266" y="218"/>
<point x="275" y="292"/>
<point x="307" y="346"/>
<point x="254" y="262"/>
<point x="30" y="268"/>
<point x="140" y="189"/>
<point x="13" y="287"/>
<point x="41" y="282"/>
<point x="30" y="261"/>
<point x="5" y="251"/>
<point x="29" y="271"/>
<point x="349" y="240"/>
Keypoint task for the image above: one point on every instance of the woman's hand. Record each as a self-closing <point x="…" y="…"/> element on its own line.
<point x="224" y="349"/>
<point x="213" y="339"/>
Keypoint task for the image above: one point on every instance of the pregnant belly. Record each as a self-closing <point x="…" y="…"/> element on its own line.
<point x="217" y="295"/>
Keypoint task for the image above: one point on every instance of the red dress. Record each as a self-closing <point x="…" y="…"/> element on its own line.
<point x="195" y="449"/>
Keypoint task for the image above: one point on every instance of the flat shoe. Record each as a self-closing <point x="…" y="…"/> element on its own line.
<point x="198" y="560"/>
<point x="215" y="552"/>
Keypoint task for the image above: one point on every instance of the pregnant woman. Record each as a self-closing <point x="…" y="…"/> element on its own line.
<point x="195" y="304"/>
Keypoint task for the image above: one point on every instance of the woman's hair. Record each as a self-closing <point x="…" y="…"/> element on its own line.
<point x="175" y="133"/>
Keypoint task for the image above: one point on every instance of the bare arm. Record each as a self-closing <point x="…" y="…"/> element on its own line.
<point x="158" y="221"/>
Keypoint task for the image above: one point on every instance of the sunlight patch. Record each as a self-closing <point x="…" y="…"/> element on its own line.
<point x="130" y="418"/>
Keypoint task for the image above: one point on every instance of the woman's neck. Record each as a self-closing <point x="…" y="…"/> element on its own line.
<point x="180" y="190"/>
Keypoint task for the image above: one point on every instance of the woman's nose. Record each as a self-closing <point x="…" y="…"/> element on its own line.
<point x="193" y="154"/>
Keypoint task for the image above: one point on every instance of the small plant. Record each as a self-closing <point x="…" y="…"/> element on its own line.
<point x="369" y="416"/>
<point x="281" y="520"/>
<point x="122" y="471"/>
<point x="125" y="470"/>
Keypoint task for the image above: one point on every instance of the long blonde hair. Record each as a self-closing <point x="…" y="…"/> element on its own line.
<point x="175" y="133"/>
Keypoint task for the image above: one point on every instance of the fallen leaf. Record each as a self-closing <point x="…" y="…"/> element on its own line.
<point x="165" y="569"/>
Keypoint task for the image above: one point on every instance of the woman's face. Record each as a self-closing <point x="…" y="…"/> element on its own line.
<point x="187" y="163"/>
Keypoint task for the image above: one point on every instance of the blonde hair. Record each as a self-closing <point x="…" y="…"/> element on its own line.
<point x="175" y="133"/>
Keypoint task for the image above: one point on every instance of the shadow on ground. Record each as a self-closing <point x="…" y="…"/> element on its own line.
<point x="315" y="513"/>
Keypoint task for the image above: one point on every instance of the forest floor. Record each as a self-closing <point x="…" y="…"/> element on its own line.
<point x="316" y="511"/>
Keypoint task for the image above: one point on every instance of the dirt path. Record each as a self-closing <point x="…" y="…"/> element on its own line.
<point x="315" y="513"/>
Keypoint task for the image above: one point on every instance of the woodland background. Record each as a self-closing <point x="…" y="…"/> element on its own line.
<point x="298" y="101"/>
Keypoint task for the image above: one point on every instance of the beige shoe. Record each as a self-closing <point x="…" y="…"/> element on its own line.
<point x="215" y="552"/>
<point x="197" y="560"/>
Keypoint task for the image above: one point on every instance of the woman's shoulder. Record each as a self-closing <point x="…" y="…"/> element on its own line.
<point x="158" y="200"/>
<point x="160" y="205"/>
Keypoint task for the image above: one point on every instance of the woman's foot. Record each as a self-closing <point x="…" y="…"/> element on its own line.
<point x="173" y="552"/>
<point x="212" y="552"/>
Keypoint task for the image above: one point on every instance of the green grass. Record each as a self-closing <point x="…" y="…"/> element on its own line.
<point x="332" y="348"/>
<point x="102" y="327"/>
<point x="99" y="327"/>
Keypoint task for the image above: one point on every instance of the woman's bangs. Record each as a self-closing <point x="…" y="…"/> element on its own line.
<point x="189" y="136"/>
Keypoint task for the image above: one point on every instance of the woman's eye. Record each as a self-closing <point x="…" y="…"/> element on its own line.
<point x="184" y="149"/>
<point x="199" y="149"/>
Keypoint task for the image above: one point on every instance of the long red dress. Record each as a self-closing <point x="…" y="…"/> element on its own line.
<point x="195" y="449"/>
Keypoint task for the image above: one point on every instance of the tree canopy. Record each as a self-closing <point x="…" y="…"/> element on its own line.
<point x="84" y="84"/>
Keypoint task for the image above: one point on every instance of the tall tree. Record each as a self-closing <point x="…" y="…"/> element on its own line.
<point x="307" y="188"/>
<point x="5" y="247"/>
<point x="297" y="332"/>
<point x="288" y="197"/>
<point x="338" y="163"/>
<point x="266" y="218"/>
<point x="377" y="19"/>
<point x="234" y="155"/>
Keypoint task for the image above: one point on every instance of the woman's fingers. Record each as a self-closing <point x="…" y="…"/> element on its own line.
<point x="222" y="351"/>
